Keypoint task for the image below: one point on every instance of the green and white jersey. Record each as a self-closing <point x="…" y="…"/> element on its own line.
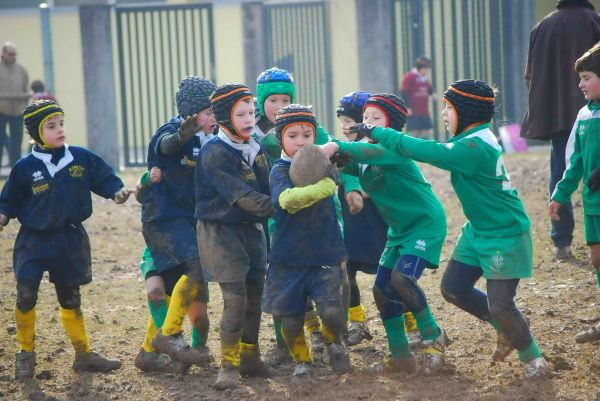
<point x="401" y="194"/>
<point x="474" y="159"/>
<point x="582" y="157"/>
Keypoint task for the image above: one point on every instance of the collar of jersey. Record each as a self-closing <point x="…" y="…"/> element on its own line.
<point x="46" y="157"/>
<point x="463" y="134"/>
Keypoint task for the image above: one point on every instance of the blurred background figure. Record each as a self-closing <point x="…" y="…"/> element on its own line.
<point x="416" y="90"/>
<point x="39" y="91"/>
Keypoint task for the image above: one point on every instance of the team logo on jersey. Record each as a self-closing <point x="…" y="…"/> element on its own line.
<point x="260" y="161"/>
<point x="188" y="162"/>
<point x="37" y="176"/>
<point x="40" y="187"/>
<point x="421" y="245"/>
<point x="497" y="262"/>
<point x="76" y="171"/>
<point x="195" y="151"/>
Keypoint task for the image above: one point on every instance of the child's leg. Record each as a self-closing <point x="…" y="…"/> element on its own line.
<point x="595" y="253"/>
<point x="458" y="288"/>
<point x="71" y="315"/>
<point x="313" y="326"/>
<point x="358" y="330"/>
<point x="390" y="310"/>
<point x="232" y="323"/>
<point x="250" y="362"/>
<point x="198" y="315"/>
<point x="293" y="333"/>
<point x="157" y="305"/>
<point x="27" y="291"/>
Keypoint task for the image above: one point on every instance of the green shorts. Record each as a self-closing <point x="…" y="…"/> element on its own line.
<point x="147" y="263"/>
<point x="500" y="258"/>
<point x="429" y="249"/>
<point x="592" y="228"/>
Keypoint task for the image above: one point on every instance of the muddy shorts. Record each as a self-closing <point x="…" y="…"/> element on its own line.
<point x="64" y="253"/>
<point x="500" y="258"/>
<point x="429" y="249"/>
<point x="287" y="288"/>
<point x="591" y="224"/>
<point x="367" y="268"/>
<point x="171" y="242"/>
<point x="231" y="252"/>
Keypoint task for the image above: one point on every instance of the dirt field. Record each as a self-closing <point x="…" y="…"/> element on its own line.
<point x="561" y="299"/>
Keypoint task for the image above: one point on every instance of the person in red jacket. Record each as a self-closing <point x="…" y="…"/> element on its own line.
<point x="416" y="90"/>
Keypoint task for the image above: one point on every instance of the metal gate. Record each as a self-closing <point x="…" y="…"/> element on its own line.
<point x="158" y="46"/>
<point x="297" y="39"/>
<point x="475" y="39"/>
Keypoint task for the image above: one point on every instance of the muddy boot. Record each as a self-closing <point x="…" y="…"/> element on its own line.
<point x="401" y="365"/>
<point x="250" y="362"/>
<point x="590" y="335"/>
<point x="277" y="356"/>
<point x="339" y="357"/>
<point x="433" y="353"/>
<point x="152" y="362"/>
<point x="227" y="378"/>
<point x="204" y="353"/>
<point x="503" y="348"/>
<point x="94" y="362"/>
<point x="317" y="346"/>
<point x="25" y="365"/>
<point x="536" y="368"/>
<point x="358" y="332"/>
<point x="230" y="360"/>
<point x="178" y="349"/>
<point x="180" y="367"/>
<point x="302" y="374"/>
<point x="563" y="253"/>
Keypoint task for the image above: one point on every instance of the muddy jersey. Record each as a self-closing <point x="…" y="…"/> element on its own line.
<point x="583" y="156"/>
<point x="44" y="196"/>
<point x="173" y="196"/>
<point x="309" y="237"/>
<point x="479" y="177"/>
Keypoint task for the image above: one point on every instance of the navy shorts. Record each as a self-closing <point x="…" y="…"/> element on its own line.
<point x="64" y="253"/>
<point x="288" y="287"/>
<point x="171" y="242"/>
<point x="367" y="268"/>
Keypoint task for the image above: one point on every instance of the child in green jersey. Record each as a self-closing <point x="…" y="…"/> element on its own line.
<point x="496" y="239"/>
<point x="583" y="162"/>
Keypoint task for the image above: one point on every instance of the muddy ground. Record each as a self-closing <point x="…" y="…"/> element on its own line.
<point x="560" y="299"/>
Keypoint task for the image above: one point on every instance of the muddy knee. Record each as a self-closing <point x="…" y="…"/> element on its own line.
<point x="27" y="291"/>
<point x="68" y="297"/>
<point x="156" y="295"/>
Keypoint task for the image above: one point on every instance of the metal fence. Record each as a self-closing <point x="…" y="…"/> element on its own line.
<point x="476" y="39"/>
<point x="297" y="39"/>
<point x="158" y="46"/>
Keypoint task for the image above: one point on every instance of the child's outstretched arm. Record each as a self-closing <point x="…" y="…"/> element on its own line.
<point x="170" y="143"/>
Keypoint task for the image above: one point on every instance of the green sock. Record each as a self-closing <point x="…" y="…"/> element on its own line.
<point x="396" y="336"/>
<point x="530" y="352"/>
<point x="158" y="311"/>
<point x="426" y="323"/>
<point x="197" y="339"/>
<point x="495" y="325"/>
<point x="598" y="277"/>
<point x="278" y="334"/>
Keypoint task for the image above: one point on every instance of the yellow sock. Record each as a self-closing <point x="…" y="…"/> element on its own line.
<point x="328" y="336"/>
<point x="298" y="348"/>
<point x="72" y="320"/>
<point x="184" y="293"/>
<point x="312" y="322"/>
<point x="25" y="329"/>
<point x="230" y="354"/>
<point x="246" y="348"/>
<point x="410" y="323"/>
<point x="357" y="314"/>
<point x="151" y="331"/>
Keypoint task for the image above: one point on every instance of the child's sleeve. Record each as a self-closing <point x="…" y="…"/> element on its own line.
<point x="369" y="153"/>
<point x="293" y="199"/>
<point x="574" y="172"/>
<point x="103" y="180"/>
<point x="12" y="196"/>
<point x="220" y="169"/>
<point x="142" y="186"/>
<point x="453" y="156"/>
<point x="350" y="182"/>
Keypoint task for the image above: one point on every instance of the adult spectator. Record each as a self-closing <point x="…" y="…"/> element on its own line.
<point x="14" y="96"/>
<point x="559" y="39"/>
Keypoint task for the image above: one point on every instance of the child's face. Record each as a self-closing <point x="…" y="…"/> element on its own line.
<point x="347" y="122"/>
<point x="374" y="116"/>
<point x="424" y="71"/>
<point x="589" y="84"/>
<point x="450" y="118"/>
<point x="53" y="132"/>
<point x="242" y="119"/>
<point x="205" y="119"/>
<point x="274" y="103"/>
<point x="295" y="136"/>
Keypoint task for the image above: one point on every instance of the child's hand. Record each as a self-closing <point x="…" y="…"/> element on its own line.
<point x="355" y="202"/>
<point x="188" y="128"/>
<point x="330" y="149"/>
<point x="3" y="221"/>
<point x="362" y="130"/>
<point x="593" y="181"/>
<point x="553" y="208"/>
<point x="123" y="195"/>
<point x="155" y="175"/>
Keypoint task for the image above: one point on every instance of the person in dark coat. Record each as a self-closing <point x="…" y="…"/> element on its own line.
<point x="559" y="39"/>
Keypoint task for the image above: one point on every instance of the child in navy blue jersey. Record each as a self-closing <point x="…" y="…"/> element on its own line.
<point x="232" y="205"/>
<point x="169" y="229"/>
<point x="307" y="250"/>
<point x="48" y="191"/>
